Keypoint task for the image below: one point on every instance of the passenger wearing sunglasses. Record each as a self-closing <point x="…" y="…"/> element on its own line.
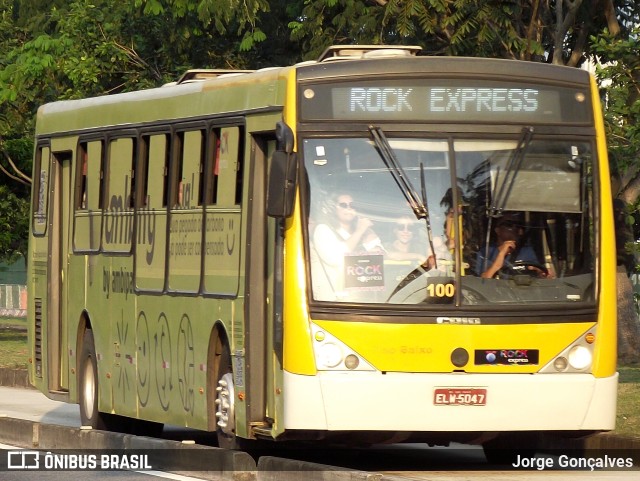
<point x="343" y="233"/>
<point x="353" y="232"/>
<point x="404" y="248"/>
<point x="506" y="252"/>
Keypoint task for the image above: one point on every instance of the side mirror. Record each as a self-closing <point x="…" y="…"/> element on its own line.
<point x="283" y="174"/>
<point x="284" y="137"/>
<point x="282" y="184"/>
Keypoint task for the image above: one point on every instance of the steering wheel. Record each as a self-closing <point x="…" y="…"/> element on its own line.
<point x="530" y="268"/>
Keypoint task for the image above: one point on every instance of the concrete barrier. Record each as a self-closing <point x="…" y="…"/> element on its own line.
<point x="14" y="377"/>
<point x="203" y="462"/>
<point x="216" y="464"/>
<point x="18" y="432"/>
<point x="272" y="468"/>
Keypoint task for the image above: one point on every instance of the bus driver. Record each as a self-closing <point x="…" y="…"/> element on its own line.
<point x="507" y="250"/>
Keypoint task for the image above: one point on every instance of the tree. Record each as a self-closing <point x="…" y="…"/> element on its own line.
<point x="15" y="218"/>
<point x="54" y="49"/>
<point x="555" y="32"/>
<point x="619" y="76"/>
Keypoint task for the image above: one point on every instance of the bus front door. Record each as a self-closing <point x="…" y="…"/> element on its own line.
<point x="56" y="332"/>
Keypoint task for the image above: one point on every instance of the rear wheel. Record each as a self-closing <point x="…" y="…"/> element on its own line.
<point x="88" y="398"/>
<point x="88" y="384"/>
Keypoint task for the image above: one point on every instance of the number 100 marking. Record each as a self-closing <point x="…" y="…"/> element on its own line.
<point x="441" y="290"/>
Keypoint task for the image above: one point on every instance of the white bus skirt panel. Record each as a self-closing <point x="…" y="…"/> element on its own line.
<point x="373" y="401"/>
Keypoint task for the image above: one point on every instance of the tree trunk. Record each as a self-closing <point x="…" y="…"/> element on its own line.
<point x="628" y="322"/>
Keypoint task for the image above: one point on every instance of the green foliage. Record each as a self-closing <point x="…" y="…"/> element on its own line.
<point x="619" y="76"/>
<point x="14" y="225"/>
<point x="241" y="16"/>
<point x="441" y="27"/>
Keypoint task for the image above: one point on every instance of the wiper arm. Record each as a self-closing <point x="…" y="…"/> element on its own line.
<point x="397" y="172"/>
<point x="499" y="201"/>
<point x="418" y="204"/>
<point x="511" y="171"/>
<point x="427" y="219"/>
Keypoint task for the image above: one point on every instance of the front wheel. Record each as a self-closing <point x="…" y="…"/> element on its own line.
<point x="225" y="403"/>
<point x="505" y="449"/>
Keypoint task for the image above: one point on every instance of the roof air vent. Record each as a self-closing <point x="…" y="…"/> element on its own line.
<point x="198" y="75"/>
<point x="347" y="52"/>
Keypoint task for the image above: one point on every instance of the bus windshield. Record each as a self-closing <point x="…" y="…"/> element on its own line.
<point x="505" y="221"/>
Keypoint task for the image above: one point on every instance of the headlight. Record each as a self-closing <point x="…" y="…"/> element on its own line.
<point x="580" y="357"/>
<point x="560" y="363"/>
<point x="329" y="355"/>
<point x="351" y="361"/>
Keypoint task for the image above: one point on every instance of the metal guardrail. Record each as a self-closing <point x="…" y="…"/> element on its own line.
<point x="13" y="300"/>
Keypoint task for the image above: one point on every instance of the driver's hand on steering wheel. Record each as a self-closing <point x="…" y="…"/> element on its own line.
<point x="540" y="273"/>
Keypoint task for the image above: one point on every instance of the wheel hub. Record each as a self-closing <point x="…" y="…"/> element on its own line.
<point x="225" y="409"/>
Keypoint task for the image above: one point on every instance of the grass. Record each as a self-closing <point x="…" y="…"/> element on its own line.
<point x="628" y="416"/>
<point x="13" y="343"/>
<point x="13" y="354"/>
<point x="13" y="322"/>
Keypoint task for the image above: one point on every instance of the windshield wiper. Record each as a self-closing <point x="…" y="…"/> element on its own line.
<point x="388" y="156"/>
<point x="499" y="201"/>
<point x="512" y="168"/>
<point x="418" y="204"/>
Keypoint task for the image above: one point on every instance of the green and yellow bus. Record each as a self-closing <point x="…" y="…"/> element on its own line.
<point x="377" y="246"/>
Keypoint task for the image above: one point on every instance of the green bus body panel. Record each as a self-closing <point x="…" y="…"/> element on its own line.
<point x="239" y="93"/>
<point x="152" y="345"/>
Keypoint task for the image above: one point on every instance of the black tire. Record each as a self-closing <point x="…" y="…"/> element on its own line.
<point x="505" y="449"/>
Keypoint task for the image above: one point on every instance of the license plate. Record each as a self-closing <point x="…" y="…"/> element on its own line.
<point x="464" y="396"/>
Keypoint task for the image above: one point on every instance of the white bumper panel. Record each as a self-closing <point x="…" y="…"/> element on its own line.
<point x="405" y="402"/>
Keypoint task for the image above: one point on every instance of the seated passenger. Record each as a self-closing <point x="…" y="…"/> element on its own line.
<point x="403" y="247"/>
<point x="407" y="245"/>
<point x="342" y="233"/>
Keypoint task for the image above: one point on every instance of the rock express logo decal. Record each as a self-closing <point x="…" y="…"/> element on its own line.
<point x="506" y="357"/>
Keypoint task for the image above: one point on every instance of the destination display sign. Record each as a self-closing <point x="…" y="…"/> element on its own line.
<point x="445" y="101"/>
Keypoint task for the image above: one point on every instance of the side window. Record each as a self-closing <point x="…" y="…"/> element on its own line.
<point x="82" y="164"/>
<point x="118" y="211"/>
<point x="41" y="190"/>
<point x="185" y="234"/>
<point x="151" y="223"/>
<point x="189" y="157"/>
<point x="222" y="247"/>
<point x="88" y="213"/>
<point x="155" y="172"/>
<point x="227" y="168"/>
